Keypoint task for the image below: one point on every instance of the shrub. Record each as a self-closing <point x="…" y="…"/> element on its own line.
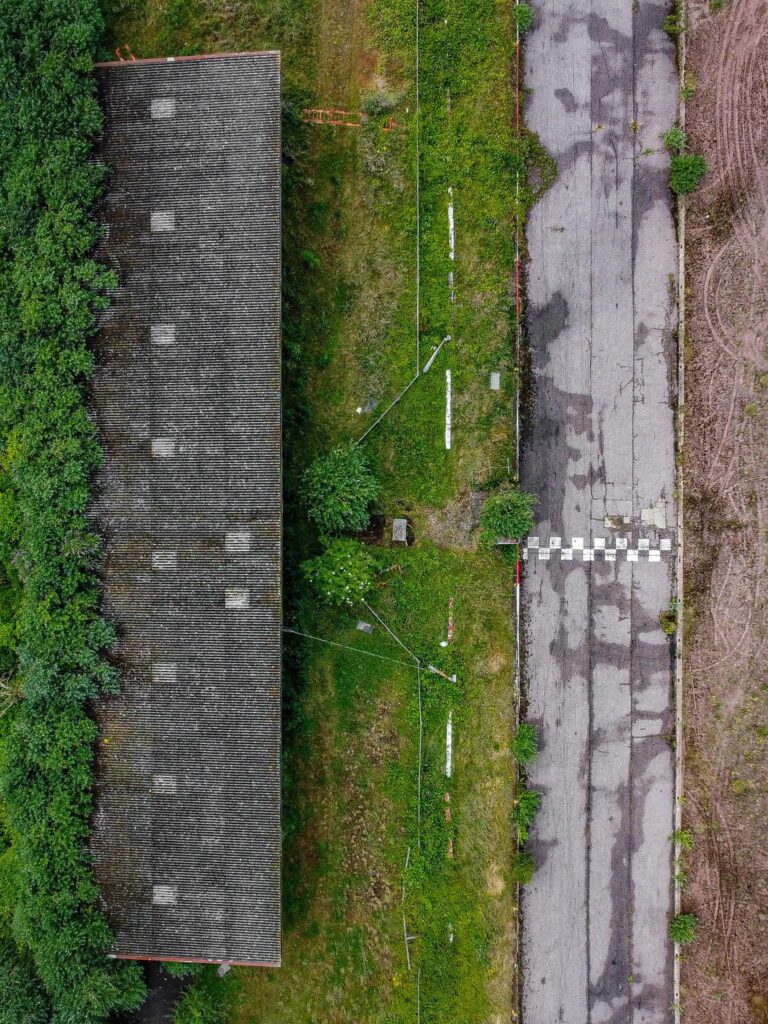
<point x="343" y="574"/>
<point x="377" y="103"/>
<point x="684" y="836"/>
<point x="338" y="491"/>
<point x="674" y="139"/>
<point x="682" y="928"/>
<point x="183" y="970"/>
<point x="508" y="514"/>
<point x="525" y="743"/>
<point x="524" y="813"/>
<point x="523" y="16"/>
<point x="209" y="999"/>
<point x="686" y="172"/>
<point x="50" y="293"/>
<point x="22" y="1000"/>
<point x="523" y="867"/>
<point x="674" y="23"/>
<point x="668" y="618"/>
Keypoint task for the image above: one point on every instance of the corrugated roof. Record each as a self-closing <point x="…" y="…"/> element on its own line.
<point x="186" y="838"/>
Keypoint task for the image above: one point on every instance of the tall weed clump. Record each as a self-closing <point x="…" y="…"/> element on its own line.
<point x="50" y="292"/>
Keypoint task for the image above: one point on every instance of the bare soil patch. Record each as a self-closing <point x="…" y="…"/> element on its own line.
<point x="725" y="972"/>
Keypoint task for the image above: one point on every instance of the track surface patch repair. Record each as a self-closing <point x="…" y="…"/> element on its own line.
<point x="600" y="450"/>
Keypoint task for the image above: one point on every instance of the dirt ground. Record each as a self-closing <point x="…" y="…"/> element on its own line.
<point x="725" y="971"/>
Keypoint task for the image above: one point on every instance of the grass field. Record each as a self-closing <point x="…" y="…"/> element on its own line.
<point x="351" y="726"/>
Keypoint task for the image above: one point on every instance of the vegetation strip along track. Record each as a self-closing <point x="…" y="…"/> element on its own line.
<point x="349" y="302"/>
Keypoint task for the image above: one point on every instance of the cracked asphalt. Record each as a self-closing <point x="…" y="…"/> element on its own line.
<point x="599" y="443"/>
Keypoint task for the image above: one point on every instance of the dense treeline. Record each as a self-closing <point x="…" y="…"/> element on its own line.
<point x="53" y="936"/>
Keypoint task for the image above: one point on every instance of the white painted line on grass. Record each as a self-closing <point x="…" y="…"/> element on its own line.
<point x="448" y="410"/>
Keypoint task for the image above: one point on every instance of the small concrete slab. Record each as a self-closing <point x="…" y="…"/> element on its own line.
<point x="400" y="531"/>
<point x="495" y="381"/>
<point x="364" y="627"/>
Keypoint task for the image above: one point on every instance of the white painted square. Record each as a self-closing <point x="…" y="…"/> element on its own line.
<point x="533" y="542"/>
<point x="163" y="447"/>
<point x="237" y="598"/>
<point x="162" y="334"/>
<point x="164" y="672"/>
<point x="621" y="543"/>
<point x="566" y="555"/>
<point x="237" y="542"/>
<point x="495" y="381"/>
<point x="162" y="220"/>
<point x="555" y="543"/>
<point x="589" y="554"/>
<point x="643" y="544"/>
<point x="598" y="543"/>
<point x="632" y="555"/>
<point x="165" y="895"/>
<point x="163" y="107"/>
<point x="525" y="554"/>
<point x="543" y="554"/>
<point x="577" y="543"/>
<point x="610" y="554"/>
<point x="165" y="784"/>
<point x="654" y="555"/>
<point x="163" y="560"/>
<point x="666" y="544"/>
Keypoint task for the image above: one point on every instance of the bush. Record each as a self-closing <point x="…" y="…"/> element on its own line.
<point x="508" y="514"/>
<point x="183" y="970"/>
<point x="675" y="139"/>
<point x="377" y="103"/>
<point x="523" y="16"/>
<point x="524" y="813"/>
<point x="523" y="867"/>
<point x="525" y="743"/>
<point x="343" y="574"/>
<point x="50" y="293"/>
<point x="674" y="23"/>
<point x="209" y="999"/>
<point x="338" y="491"/>
<point x="685" y="173"/>
<point x="22" y="1000"/>
<point x="685" y="837"/>
<point x="682" y="928"/>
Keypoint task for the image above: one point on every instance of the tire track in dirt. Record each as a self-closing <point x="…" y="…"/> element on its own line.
<point x="726" y="483"/>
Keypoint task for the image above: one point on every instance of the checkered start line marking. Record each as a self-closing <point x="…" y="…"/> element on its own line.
<point x="599" y="546"/>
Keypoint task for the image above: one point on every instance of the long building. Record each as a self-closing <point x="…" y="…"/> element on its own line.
<point x="187" y="833"/>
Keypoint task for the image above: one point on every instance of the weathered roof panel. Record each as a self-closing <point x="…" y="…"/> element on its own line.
<point x="186" y="838"/>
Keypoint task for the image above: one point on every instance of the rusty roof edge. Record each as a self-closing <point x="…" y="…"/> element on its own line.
<point x="183" y="59"/>
<point x="156" y="958"/>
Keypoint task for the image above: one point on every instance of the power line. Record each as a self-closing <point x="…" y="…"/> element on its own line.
<point x="346" y="647"/>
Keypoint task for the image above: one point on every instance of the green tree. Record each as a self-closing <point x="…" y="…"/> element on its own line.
<point x="343" y="574"/>
<point x="22" y="1000"/>
<point x="51" y="291"/>
<point x="508" y="514"/>
<point x="339" y="489"/>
